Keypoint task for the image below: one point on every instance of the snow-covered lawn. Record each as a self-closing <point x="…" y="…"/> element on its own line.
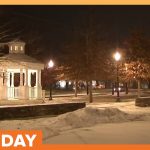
<point x="128" y="107"/>
<point x="136" y="132"/>
<point x="97" y="123"/>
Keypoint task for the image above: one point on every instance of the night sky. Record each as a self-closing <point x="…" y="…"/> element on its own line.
<point x="49" y="27"/>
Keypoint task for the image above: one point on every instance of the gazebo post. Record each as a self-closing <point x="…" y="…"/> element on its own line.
<point x="8" y="85"/>
<point x="36" y="83"/>
<point x="29" y="79"/>
<point x="12" y="84"/>
<point x="1" y="77"/>
<point x="21" y="77"/>
<point x="26" y="77"/>
<point x="39" y="87"/>
<point x="1" y="84"/>
<point x="26" y="84"/>
<point x="12" y="79"/>
<point x="5" y="85"/>
<point x="8" y="79"/>
<point x="22" y="88"/>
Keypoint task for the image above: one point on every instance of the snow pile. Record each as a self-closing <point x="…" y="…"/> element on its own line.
<point x="86" y="117"/>
<point x="90" y="116"/>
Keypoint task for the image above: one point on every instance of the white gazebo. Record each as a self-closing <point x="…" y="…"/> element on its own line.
<point x="20" y="75"/>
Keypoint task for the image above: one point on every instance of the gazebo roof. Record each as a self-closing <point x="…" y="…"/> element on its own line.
<point x="17" y="58"/>
<point x="20" y="60"/>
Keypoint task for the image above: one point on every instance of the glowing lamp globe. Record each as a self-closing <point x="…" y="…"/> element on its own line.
<point x="117" y="56"/>
<point x="50" y="64"/>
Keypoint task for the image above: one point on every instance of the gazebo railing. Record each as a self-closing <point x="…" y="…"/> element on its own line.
<point x="13" y="92"/>
<point x="32" y="92"/>
<point x="16" y="92"/>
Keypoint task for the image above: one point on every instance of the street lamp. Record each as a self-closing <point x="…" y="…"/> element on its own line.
<point x="50" y="66"/>
<point x="117" y="57"/>
<point x="126" y="84"/>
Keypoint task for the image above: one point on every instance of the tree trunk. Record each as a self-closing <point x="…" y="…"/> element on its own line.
<point x="87" y="88"/>
<point x="105" y="84"/>
<point x="139" y="88"/>
<point x="134" y="85"/>
<point x="76" y="88"/>
<point x="126" y="87"/>
<point x="67" y="85"/>
<point x="113" y="88"/>
<point x="97" y="83"/>
<point x="90" y="92"/>
<point x="149" y="83"/>
<point x="50" y="91"/>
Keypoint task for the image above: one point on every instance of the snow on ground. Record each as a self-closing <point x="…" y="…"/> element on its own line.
<point x="94" y="114"/>
<point x="136" y="132"/>
<point x="128" y="107"/>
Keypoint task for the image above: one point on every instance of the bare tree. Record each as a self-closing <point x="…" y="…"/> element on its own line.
<point x="84" y="57"/>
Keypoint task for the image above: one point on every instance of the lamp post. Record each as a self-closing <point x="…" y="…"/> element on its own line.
<point x="50" y="66"/>
<point x="126" y="84"/>
<point x="117" y="57"/>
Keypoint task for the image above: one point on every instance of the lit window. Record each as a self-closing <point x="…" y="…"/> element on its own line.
<point x="21" y="48"/>
<point x="11" y="48"/>
<point x="16" y="48"/>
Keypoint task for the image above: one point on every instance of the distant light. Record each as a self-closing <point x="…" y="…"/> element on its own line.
<point x="94" y="83"/>
<point x="117" y="56"/>
<point x="62" y="84"/>
<point x="50" y="64"/>
<point x="16" y="48"/>
<point x="21" y="48"/>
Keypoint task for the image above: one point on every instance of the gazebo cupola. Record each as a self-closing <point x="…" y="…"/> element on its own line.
<point x="16" y="47"/>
